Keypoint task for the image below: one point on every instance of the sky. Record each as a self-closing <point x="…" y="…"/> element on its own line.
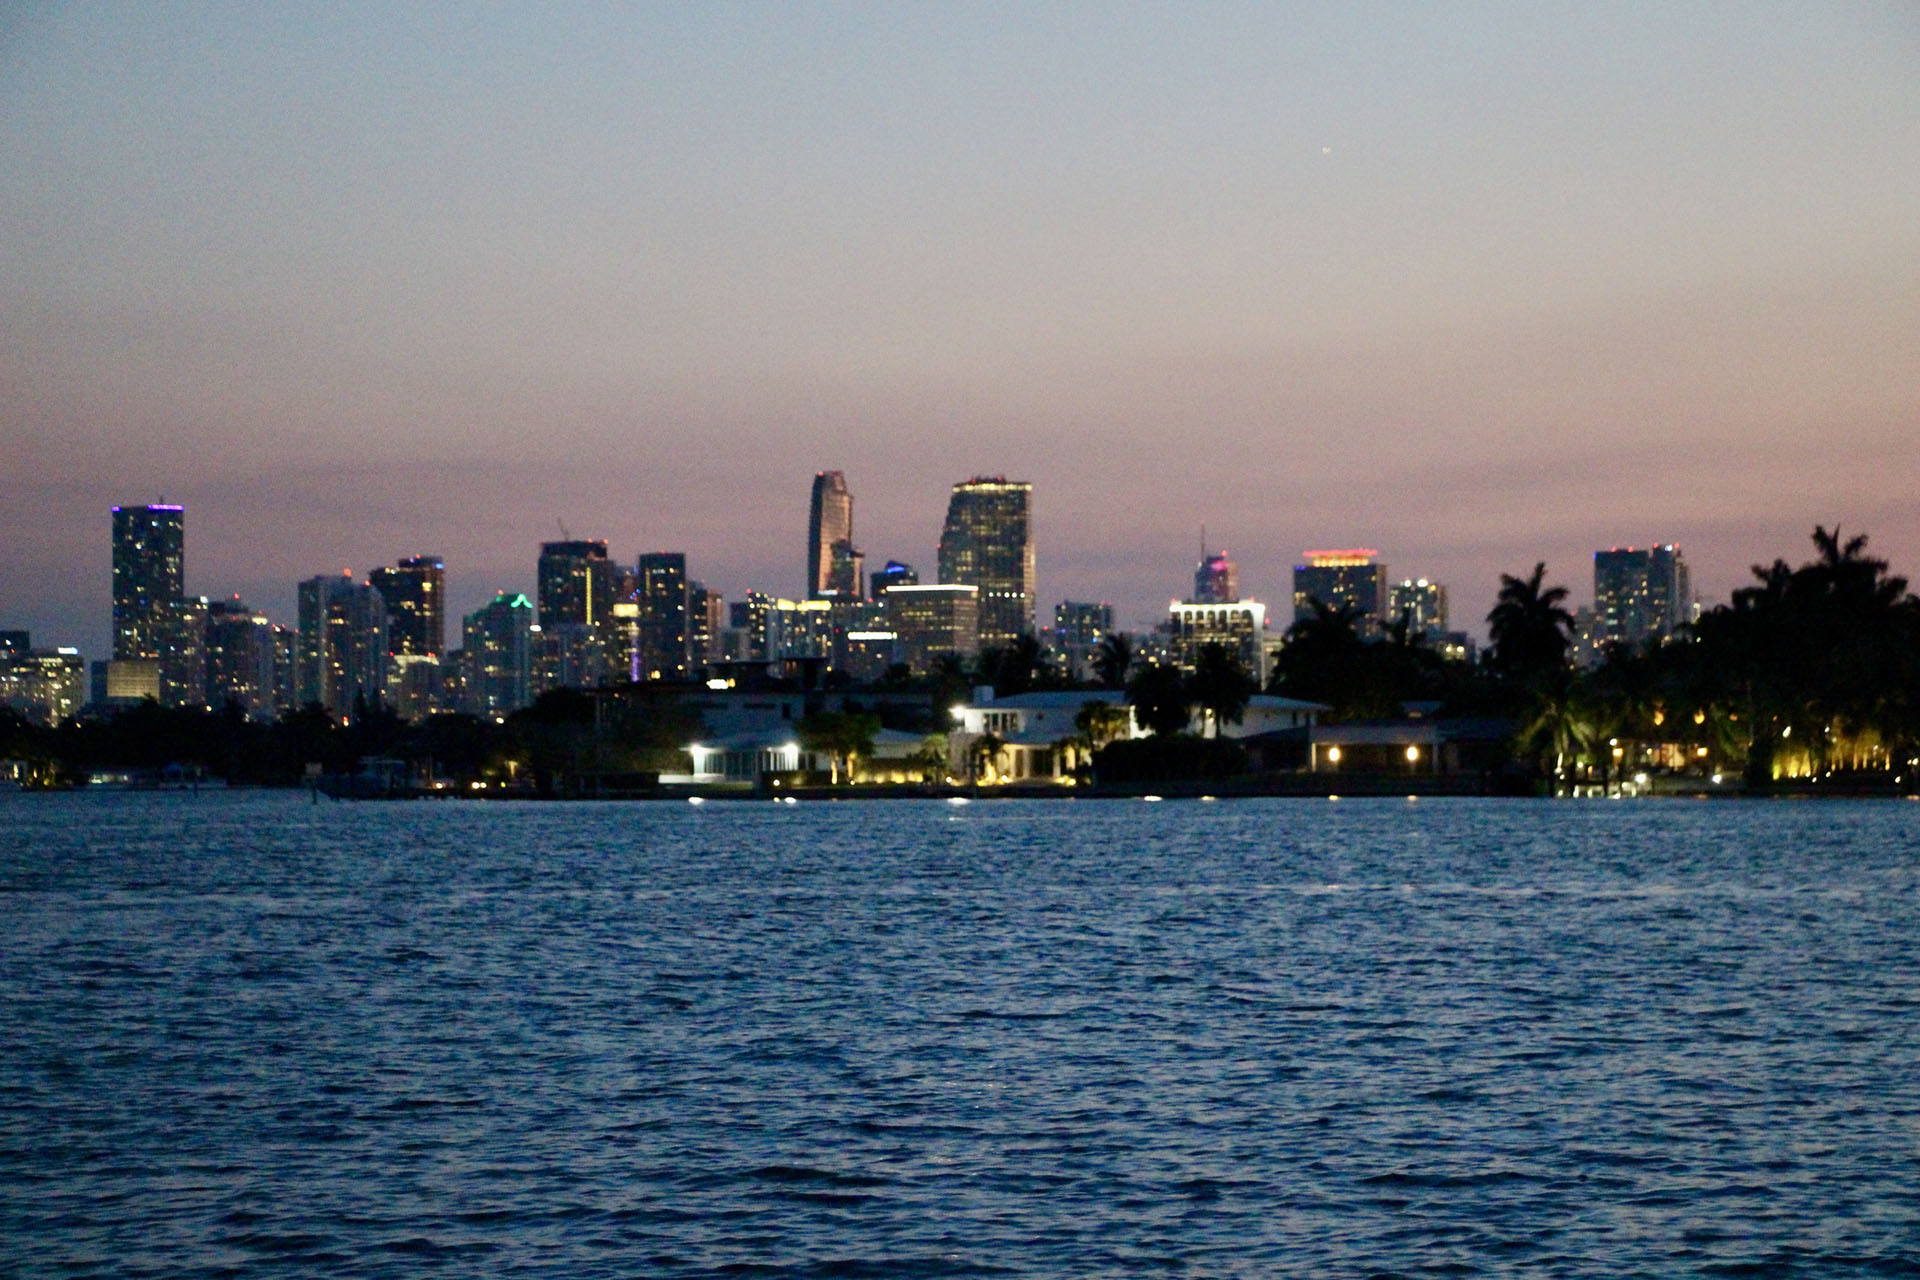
<point x="1475" y="285"/>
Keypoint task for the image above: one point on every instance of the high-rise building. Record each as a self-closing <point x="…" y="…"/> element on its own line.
<point x="896" y="574"/>
<point x="987" y="543"/>
<point x="342" y="658"/>
<point x="1641" y="593"/>
<point x="415" y="591"/>
<point x="45" y="686"/>
<point x="1423" y="604"/>
<point x="577" y="628"/>
<point x="1238" y="627"/>
<point x="747" y="627"/>
<point x="149" y="574"/>
<point x="665" y="653"/>
<point x="240" y="659"/>
<point x="932" y="620"/>
<point x="1078" y="628"/>
<point x="497" y="658"/>
<point x="1216" y="580"/>
<point x="706" y="619"/>
<point x="833" y="565"/>
<point x="1348" y="579"/>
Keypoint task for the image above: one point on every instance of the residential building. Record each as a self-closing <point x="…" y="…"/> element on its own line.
<point x="1423" y="604"/>
<point x="240" y="659"/>
<point x="1641" y="593"/>
<point x="45" y="686"/>
<point x="933" y="620"/>
<point x="1350" y="579"/>
<point x="987" y="543"/>
<point x="1078" y="628"/>
<point x="497" y="657"/>
<point x="576" y="595"/>
<point x="665" y="645"/>
<point x="1239" y="628"/>
<point x="342" y="658"/>
<point x="415" y="591"/>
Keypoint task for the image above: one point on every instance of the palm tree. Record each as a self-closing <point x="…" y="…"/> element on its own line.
<point x="1220" y="685"/>
<point x="1530" y="628"/>
<point x="1160" y="700"/>
<point x="1113" y="659"/>
<point x="984" y="755"/>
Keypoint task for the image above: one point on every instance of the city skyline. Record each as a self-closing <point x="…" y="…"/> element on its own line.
<point x="1478" y="289"/>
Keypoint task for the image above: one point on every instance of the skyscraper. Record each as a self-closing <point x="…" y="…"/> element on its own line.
<point x="149" y="575"/>
<point x="1641" y="593"/>
<point x="1216" y="580"/>
<point x="987" y="542"/>
<point x="833" y="565"/>
<point x="415" y="590"/>
<point x="577" y="630"/>
<point x="1342" y="579"/>
<point x="665" y="653"/>
<point x="342" y="658"/>
<point x="498" y="656"/>
<point x="1423" y="604"/>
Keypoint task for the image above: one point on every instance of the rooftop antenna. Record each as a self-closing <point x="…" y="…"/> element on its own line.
<point x="1203" y="542"/>
<point x="564" y="535"/>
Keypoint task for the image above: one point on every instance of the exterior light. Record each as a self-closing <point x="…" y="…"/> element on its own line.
<point x="1413" y="753"/>
<point x="1699" y="717"/>
<point x="1333" y="755"/>
<point x="1787" y="732"/>
<point x="1701" y="752"/>
<point x="959" y="711"/>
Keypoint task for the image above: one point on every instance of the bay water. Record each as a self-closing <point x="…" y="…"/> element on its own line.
<point x="245" y="1035"/>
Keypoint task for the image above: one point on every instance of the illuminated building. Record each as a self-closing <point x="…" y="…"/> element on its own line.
<point x="497" y="657"/>
<point x="576" y="594"/>
<point x="933" y="620"/>
<point x="746" y="635"/>
<point x="341" y="662"/>
<point x="183" y="653"/>
<point x="1342" y="579"/>
<point x="415" y="592"/>
<point x="665" y="653"/>
<point x="1423" y="604"/>
<point x="1216" y="580"/>
<point x="149" y="554"/>
<point x="799" y="629"/>
<point x="987" y="542"/>
<point x="895" y="574"/>
<point x="1078" y="628"/>
<point x="1640" y="594"/>
<point x="44" y="686"/>
<point x="1238" y="627"/>
<point x="240" y="659"/>
<point x="833" y="564"/>
<point x="706" y="619"/>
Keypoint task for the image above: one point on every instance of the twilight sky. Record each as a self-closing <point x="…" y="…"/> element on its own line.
<point x="1474" y="285"/>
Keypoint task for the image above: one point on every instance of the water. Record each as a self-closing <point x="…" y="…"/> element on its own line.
<point x="248" y="1036"/>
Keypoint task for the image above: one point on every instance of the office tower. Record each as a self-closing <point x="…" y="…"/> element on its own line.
<point x="987" y="543"/>
<point x="183" y="653"/>
<point x="896" y="574"/>
<point x="1423" y="604"/>
<point x="1342" y="579"/>
<point x="149" y="555"/>
<point x="1216" y="580"/>
<point x="1641" y="594"/>
<point x="415" y="592"/>
<point x="932" y="620"/>
<point x="497" y="657"/>
<point x="800" y="629"/>
<point x="664" y="648"/>
<point x="1238" y="627"/>
<point x="240" y="659"/>
<point x="833" y="565"/>
<point x="342" y="658"/>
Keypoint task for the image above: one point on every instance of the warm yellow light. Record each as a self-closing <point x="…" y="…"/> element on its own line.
<point x="1413" y="753"/>
<point x="1699" y="717"/>
<point x="1333" y="755"/>
<point x="1659" y="717"/>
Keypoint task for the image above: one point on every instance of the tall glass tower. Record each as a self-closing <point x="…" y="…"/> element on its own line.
<point x="833" y="565"/>
<point x="149" y="553"/>
<point x="414" y="590"/>
<point x="988" y="543"/>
